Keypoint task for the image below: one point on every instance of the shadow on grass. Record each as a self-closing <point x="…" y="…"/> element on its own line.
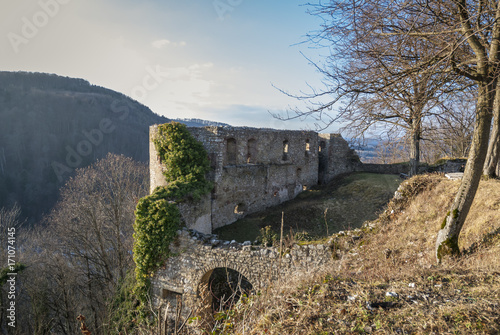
<point x="343" y="204"/>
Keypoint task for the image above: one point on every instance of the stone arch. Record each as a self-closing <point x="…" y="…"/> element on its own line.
<point x="219" y="263"/>
<point x="206" y="274"/>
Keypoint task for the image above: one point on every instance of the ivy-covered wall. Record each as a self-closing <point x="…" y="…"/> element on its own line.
<point x="251" y="169"/>
<point x="158" y="218"/>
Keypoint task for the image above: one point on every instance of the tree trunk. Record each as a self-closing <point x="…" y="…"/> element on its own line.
<point x="415" y="146"/>
<point x="447" y="240"/>
<point x="491" y="163"/>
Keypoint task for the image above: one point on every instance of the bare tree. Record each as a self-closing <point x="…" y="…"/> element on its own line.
<point x="478" y="25"/>
<point x="456" y="36"/>
<point x="449" y="132"/>
<point x="9" y="218"/>
<point x="9" y="223"/>
<point x="492" y="162"/>
<point x="85" y="248"/>
<point x="376" y="74"/>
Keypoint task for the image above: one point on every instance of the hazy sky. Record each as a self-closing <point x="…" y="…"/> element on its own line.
<point x="215" y="60"/>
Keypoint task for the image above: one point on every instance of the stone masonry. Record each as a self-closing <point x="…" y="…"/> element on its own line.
<point x="197" y="255"/>
<point x="253" y="169"/>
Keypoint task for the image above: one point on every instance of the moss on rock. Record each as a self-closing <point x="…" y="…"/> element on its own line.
<point x="448" y="247"/>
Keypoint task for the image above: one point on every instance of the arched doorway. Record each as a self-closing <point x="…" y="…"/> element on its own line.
<point x="222" y="287"/>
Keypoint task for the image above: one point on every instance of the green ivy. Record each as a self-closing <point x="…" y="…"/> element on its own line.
<point x="184" y="156"/>
<point x="156" y="224"/>
<point x="157" y="216"/>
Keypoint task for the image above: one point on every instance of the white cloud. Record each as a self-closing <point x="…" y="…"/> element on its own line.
<point x="159" y="44"/>
<point x="182" y="86"/>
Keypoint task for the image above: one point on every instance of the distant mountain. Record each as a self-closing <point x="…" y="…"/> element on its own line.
<point x="51" y="125"/>
<point x="365" y="148"/>
<point x="200" y="123"/>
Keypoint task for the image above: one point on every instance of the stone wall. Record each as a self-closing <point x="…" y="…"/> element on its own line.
<point x="397" y="168"/>
<point x="199" y="254"/>
<point x="448" y="166"/>
<point x="251" y="169"/>
<point x="156" y="169"/>
<point x="335" y="157"/>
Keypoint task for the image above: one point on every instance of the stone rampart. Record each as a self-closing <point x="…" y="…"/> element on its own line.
<point x="253" y="169"/>
<point x="197" y="255"/>
<point x="335" y="158"/>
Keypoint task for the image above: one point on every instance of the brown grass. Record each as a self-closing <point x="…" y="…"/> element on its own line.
<point x="394" y="255"/>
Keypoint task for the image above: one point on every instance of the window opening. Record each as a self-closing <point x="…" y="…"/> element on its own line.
<point x="231" y="151"/>
<point x="322" y="145"/>
<point x="285" y="150"/>
<point x="240" y="209"/>
<point x="252" y="151"/>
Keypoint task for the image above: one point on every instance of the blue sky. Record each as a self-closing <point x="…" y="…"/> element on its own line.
<point x="209" y="59"/>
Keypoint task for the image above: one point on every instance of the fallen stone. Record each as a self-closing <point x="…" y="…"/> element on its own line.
<point x="454" y="175"/>
<point x="391" y="294"/>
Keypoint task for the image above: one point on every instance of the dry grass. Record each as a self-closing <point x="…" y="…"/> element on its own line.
<point x="349" y="201"/>
<point x="387" y="281"/>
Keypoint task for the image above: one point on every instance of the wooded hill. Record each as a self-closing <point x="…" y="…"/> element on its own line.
<point x="51" y="125"/>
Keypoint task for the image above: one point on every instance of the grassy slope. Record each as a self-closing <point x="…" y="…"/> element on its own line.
<point x="350" y="201"/>
<point x="394" y="253"/>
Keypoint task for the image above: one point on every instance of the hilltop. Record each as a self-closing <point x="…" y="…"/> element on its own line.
<point x="387" y="281"/>
<point x="51" y="125"/>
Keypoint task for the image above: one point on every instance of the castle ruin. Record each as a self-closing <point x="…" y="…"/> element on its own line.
<point x="253" y="169"/>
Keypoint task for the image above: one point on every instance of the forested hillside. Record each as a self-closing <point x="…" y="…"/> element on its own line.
<point x="51" y="125"/>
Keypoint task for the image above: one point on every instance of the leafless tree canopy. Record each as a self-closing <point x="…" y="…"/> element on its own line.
<point x="77" y="259"/>
<point x="390" y="68"/>
<point x="400" y="60"/>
